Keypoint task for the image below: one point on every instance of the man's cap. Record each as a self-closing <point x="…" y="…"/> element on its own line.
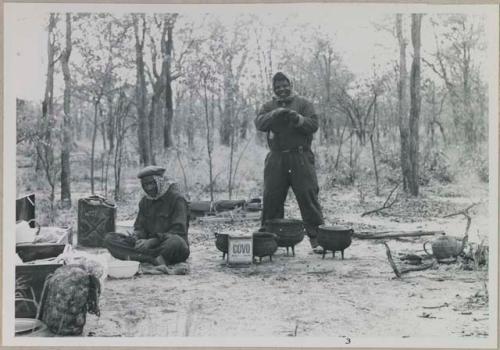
<point x="151" y="170"/>
<point x="280" y="76"/>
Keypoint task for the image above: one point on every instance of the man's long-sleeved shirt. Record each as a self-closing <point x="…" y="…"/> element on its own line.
<point x="283" y="134"/>
<point x="166" y="215"/>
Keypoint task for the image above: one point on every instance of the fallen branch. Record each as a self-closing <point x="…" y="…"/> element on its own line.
<point x="417" y="268"/>
<point x="464" y="280"/>
<point x="397" y="234"/>
<point x="398" y="272"/>
<point x="391" y="261"/>
<point x="320" y="272"/>
<point x="436" y="307"/>
<point x="230" y="217"/>
<point x="386" y="204"/>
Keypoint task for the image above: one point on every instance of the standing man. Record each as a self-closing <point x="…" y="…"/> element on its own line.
<point x="161" y="228"/>
<point x="290" y="122"/>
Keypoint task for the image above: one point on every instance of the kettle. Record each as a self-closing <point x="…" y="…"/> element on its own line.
<point x="445" y="247"/>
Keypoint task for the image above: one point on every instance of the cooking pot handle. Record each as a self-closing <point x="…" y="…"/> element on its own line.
<point x="95" y="198"/>
<point x="426" y="249"/>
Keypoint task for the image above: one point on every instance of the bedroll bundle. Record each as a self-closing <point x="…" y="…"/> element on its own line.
<point x="71" y="293"/>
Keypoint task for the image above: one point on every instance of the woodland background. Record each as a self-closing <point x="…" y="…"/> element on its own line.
<point x="123" y="91"/>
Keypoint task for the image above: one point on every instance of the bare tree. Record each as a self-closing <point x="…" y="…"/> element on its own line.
<point x="455" y="65"/>
<point x="416" y="22"/>
<point x="66" y="128"/>
<point x="357" y="107"/>
<point x="403" y="104"/>
<point x="325" y="58"/>
<point x="231" y="53"/>
<point x="44" y="142"/>
<point x="145" y="152"/>
<point x="205" y="80"/>
<point x="121" y="127"/>
<point x="167" y="48"/>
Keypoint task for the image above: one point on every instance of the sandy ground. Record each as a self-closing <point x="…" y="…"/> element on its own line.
<point x="306" y="295"/>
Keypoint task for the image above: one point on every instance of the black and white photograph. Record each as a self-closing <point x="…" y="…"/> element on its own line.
<point x="263" y="175"/>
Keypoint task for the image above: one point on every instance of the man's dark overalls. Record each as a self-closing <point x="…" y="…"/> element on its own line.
<point x="290" y="162"/>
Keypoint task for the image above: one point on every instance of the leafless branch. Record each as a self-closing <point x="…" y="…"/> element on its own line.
<point x="400" y="272"/>
<point x="464" y="212"/>
<point x="387" y="204"/>
<point x="391" y="261"/>
<point x="461" y="212"/>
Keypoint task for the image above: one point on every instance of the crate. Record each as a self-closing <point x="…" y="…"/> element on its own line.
<point x="25" y="209"/>
<point x="44" y="250"/>
<point x="240" y="250"/>
<point x="30" y="280"/>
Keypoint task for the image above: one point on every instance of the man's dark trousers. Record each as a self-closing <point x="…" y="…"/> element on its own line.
<point x="293" y="168"/>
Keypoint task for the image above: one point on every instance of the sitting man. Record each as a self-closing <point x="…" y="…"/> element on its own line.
<point x="161" y="229"/>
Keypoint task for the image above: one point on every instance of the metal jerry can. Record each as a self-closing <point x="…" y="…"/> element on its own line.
<point x="96" y="218"/>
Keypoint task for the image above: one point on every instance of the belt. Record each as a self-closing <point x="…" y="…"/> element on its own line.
<point x="299" y="149"/>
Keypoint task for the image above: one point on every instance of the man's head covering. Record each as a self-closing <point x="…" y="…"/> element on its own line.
<point x="280" y="76"/>
<point x="162" y="182"/>
<point x="151" y="170"/>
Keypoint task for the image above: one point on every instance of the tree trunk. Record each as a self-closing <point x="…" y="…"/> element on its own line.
<point x="374" y="158"/>
<point x="209" y="141"/>
<point x="44" y="146"/>
<point x="140" y="89"/>
<point x="372" y="144"/>
<point x="122" y="111"/>
<point x="92" y="151"/>
<point x="416" y="21"/>
<point x="327" y="118"/>
<point x="403" y="104"/>
<point x="231" y="157"/>
<point x="152" y="124"/>
<point x="190" y="124"/>
<point x="470" y="122"/>
<point x="244" y="126"/>
<point x="227" y="115"/>
<point x="111" y="125"/>
<point x="433" y="116"/>
<point x="169" y="111"/>
<point x="66" y="142"/>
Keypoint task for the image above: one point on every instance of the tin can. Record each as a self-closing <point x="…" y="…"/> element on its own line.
<point x="240" y="250"/>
